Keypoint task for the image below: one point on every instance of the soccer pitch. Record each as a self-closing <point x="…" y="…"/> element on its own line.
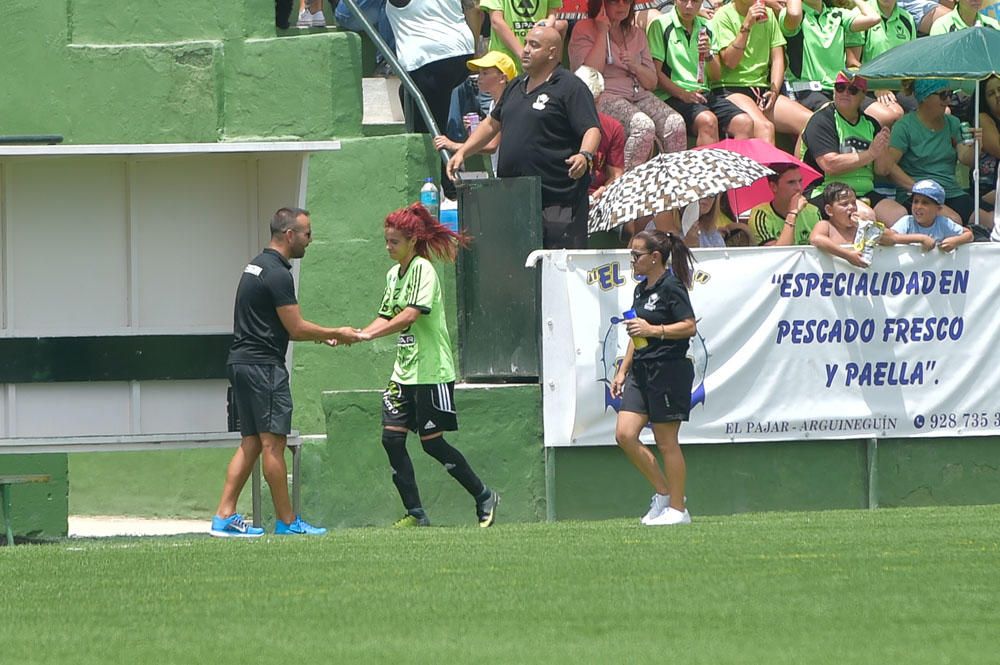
<point x="890" y="586"/>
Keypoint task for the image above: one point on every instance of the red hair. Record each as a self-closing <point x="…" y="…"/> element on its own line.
<point x="433" y="238"/>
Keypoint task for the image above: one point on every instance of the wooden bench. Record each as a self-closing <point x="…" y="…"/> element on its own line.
<point x="5" y="483"/>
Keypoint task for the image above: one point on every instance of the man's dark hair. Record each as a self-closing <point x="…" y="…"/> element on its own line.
<point x="780" y="170"/>
<point x="284" y="219"/>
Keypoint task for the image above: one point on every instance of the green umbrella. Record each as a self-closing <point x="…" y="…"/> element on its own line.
<point x="971" y="55"/>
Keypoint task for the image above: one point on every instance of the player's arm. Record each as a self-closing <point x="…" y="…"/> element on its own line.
<point x="623" y="370"/>
<point x="301" y="330"/>
<point x="383" y="326"/>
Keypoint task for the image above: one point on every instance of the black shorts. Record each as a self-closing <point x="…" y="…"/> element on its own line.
<point x="723" y="109"/>
<point x="425" y="408"/>
<point x="564" y="226"/>
<point x="753" y="92"/>
<point x="262" y="398"/>
<point x="660" y="389"/>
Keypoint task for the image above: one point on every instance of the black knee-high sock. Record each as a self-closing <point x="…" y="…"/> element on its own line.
<point x="456" y="465"/>
<point x="402" y="470"/>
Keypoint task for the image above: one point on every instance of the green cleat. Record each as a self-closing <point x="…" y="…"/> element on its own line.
<point x="411" y="520"/>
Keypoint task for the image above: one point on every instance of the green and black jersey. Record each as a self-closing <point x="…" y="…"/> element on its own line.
<point x="423" y="354"/>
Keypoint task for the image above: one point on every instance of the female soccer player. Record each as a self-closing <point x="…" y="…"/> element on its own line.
<point x="654" y="380"/>
<point x="420" y="394"/>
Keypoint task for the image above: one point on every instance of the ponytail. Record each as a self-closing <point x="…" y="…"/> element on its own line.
<point x="673" y="250"/>
<point x="433" y="238"/>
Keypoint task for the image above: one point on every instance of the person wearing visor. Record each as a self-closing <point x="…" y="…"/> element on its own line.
<point x="844" y="144"/>
<point x="495" y="70"/>
<point x="927" y="145"/>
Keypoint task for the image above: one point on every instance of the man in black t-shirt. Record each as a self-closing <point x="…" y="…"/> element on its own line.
<point x="266" y="316"/>
<point x="550" y="130"/>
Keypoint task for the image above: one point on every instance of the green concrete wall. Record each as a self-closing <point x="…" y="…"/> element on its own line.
<point x="350" y="483"/>
<point x="38" y="509"/>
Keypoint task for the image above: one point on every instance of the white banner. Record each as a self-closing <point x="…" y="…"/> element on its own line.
<point x="792" y="344"/>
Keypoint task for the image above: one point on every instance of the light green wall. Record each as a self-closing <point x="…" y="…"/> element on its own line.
<point x="39" y="509"/>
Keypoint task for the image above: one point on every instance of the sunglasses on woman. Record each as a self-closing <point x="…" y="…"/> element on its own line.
<point x="945" y="95"/>
<point x="842" y="87"/>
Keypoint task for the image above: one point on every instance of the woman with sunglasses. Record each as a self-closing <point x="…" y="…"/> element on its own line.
<point x="610" y="42"/>
<point x="927" y="145"/>
<point x="655" y="377"/>
<point x="989" y="154"/>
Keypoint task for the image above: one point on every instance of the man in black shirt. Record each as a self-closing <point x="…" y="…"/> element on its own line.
<point x="550" y="130"/>
<point x="266" y="316"/>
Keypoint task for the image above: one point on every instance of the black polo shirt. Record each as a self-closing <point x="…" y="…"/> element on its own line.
<point x="541" y="129"/>
<point x="259" y="338"/>
<point x="664" y="302"/>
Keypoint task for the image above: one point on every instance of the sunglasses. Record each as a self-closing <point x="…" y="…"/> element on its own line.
<point x="844" y="87"/>
<point x="636" y="255"/>
<point x="945" y="95"/>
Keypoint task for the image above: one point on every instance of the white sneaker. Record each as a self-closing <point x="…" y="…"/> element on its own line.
<point x="657" y="505"/>
<point x="670" y="516"/>
<point x="305" y="19"/>
<point x="318" y="20"/>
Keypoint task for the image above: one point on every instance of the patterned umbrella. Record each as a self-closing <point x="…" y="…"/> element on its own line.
<point x="670" y="181"/>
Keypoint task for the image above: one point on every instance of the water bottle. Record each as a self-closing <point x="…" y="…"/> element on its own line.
<point x="429" y="197"/>
<point x="637" y="342"/>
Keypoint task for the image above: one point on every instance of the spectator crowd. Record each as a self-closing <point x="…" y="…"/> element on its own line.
<point x="660" y="77"/>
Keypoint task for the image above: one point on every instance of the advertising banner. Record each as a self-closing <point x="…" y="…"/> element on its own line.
<point x="792" y="344"/>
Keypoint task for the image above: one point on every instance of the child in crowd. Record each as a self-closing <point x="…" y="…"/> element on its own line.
<point x="928" y="222"/>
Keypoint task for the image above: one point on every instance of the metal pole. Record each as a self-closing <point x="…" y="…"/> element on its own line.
<point x="975" y="166"/>
<point x="871" y="448"/>
<point x="550" y="484"/>
<point x="5" y="490"/>
<point x="404" y="78"/>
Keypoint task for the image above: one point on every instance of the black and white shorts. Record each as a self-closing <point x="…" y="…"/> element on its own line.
<point x="425" y="408"/>
<point x="660" y="389"/>
<point x="262" y="398"/>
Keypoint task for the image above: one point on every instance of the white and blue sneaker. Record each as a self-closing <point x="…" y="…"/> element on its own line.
<point x="297" y="528"/>
<point x="234" y="526"/>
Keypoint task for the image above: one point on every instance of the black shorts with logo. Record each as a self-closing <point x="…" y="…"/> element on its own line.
<point x="425" y="408"/>
<point x="659" y="388"/>
<point x="262" y="398"/>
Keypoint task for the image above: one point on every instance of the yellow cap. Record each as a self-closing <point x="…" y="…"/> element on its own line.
<point x="496" y="59"/>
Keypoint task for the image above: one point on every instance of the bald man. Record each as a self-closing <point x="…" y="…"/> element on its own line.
<point x="550" y="130"/>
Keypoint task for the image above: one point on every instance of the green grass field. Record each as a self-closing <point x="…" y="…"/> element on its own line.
<point x="891" y="586"/>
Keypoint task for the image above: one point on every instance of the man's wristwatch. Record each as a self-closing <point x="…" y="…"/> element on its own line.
<point x="589" y="156"/>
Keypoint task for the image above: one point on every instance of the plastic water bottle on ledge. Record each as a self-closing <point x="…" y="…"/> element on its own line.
<point x="429" y="197"/>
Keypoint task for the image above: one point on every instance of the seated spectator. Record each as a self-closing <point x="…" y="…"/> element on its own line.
<point x="927" y="145"/>
<point x="684" y="53"/>
<point x="612" y="44"/>
<point x="753" y="68"/>
<point x="789" y="218"/>
<point x="966" y="14"/>
<point x="926" y="12"/>
<point x="844" y="144"/>
<point x="989" y="155"/>
<point x="510" y="21"/>
<point x="817" y="35"/>
<point x="311" y="14"/>
<point x="374" y="11"/>
<point x="927" y="222"/>
<point x="835" y="233"/>
<point x="609" y="160"/>
<point x="897" y="26"/>
<point x="711" y="229"/>
<point x="495" y="70"/>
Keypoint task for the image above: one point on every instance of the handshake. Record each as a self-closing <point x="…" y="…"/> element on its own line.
<point x="345" y="336"/>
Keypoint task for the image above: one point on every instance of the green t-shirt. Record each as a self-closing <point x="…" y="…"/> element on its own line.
<point x="895" y="29"/>
<point x="926" y="153"/>
<point x="815" y="50"/>
<point x="755" y="65"/>
<point x="766" y="224"/>
<point x="951" y="22"/>
<point x="670" y="44"/>
<point x="521" y="16"/>
<point x="423" y="354"/>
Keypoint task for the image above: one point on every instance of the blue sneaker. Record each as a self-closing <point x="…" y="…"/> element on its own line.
<point x="233" y="527"/>
<point x="297" y="528"/>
